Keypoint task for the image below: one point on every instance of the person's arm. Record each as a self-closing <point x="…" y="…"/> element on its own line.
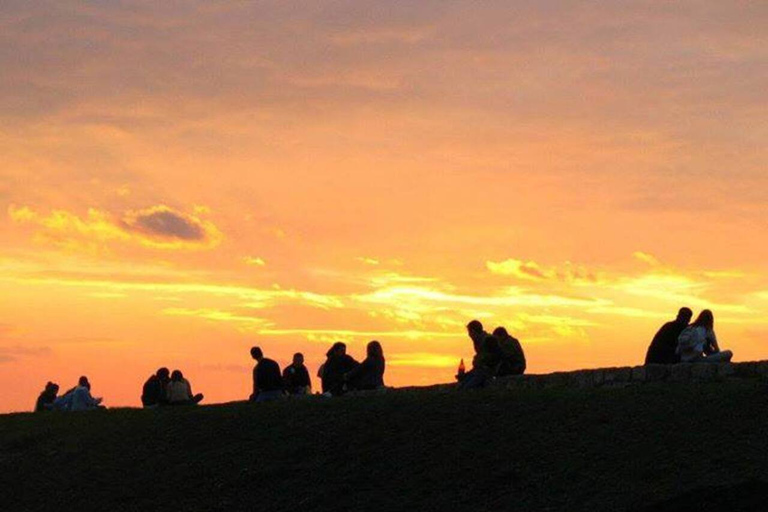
<point x="189" y="389"/>
<point x="714" y="348"/>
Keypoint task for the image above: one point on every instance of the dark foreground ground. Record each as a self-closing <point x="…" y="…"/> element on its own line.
<point x="656" y="447"/>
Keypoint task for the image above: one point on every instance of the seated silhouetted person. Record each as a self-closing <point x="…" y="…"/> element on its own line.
<point x="485" y="365"/>
<point x="296" y="377"/>
<point x="47" y="397"/>
<point x="698" y="343"/>
<point x="79" y="398"/>
<point x="154" y="391"/>
<point x="513" y="357"/>
<point x="267" y="381"/>
<point x="337" y="363"/>
<point x="370" y="373"/>
<point x="179" y="391"/>
<point x="663" y="348"/>
<point x="477" y="334"/>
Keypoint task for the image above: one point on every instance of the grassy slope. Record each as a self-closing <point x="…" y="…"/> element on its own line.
<point x="558" y="449"/>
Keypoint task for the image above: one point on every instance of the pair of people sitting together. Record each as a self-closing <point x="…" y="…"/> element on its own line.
<point x="496" y="355"/>
<point x="341" y="372"/>
<point x="270" y="384"/>
<point x="166" y="388"/>
<point x="78" y="398"/>
<point x="679" y="342"/>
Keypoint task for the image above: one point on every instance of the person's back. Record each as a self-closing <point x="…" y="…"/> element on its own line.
<point x="663" y="347"/>
<point x="268" y="376"/>
<point x="47" y="398"/>
<point x="513" y="357"/>
<point x="296" y="377"/>
<point x="82" y="400"/>
<point x="178" y="392"/>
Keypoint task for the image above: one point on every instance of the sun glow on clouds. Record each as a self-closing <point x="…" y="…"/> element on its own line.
<point x="356" y="172"/>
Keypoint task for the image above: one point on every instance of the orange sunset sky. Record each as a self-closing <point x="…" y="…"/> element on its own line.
<point x="182" y="180"/>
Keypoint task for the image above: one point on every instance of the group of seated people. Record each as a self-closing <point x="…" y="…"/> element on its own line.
<point x="166" y="388"/>
<point x="78" y="398"/>
<point x="679" y="342"/>
<point x="496" y="355"/>
<point x="338" y="374"/>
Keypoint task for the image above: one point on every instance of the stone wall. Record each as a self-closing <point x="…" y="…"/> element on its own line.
<point x="621" y="376"/>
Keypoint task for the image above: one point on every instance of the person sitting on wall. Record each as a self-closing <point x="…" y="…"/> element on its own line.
<point x="154" y="391"/>
<point x="47" y="397"/>
<point x="296" y="377"/>
<point x="179" y="391"/>
<point x="477" y="334"/>
<point x="663" y="348"/>
<point x="369" y="374"/>
<point x="485" y="365"/>
<point x="513" y="357"/>
<point x="698" y="343"/>
<point x="337" y="363"/>
<point x="267" y="381"/>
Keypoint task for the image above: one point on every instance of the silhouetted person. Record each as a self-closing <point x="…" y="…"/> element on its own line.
<point x="337" y="363"/>
<point x="179" y="391"/>
<point x="698" y="343"/>
<point x="47" y="397"/>
<point x="296" y="377"/>
<point x="82" y="400"/>
<point x="477" y="334"/>
<point x="370" y="373"/>
<point x="267" y="382"/>
<point x="513" y="357"/>
<point x="663" y="348"/>
<point x="485" y="365"/>
<point x="154" y="392"/>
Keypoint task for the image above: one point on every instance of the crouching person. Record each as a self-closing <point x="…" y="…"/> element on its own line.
<point x="267" y="381"/>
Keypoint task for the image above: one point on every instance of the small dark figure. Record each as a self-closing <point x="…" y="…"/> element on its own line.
<point x="698" y="342"/>
<point x="267" y="382"/>
<point x="154" y="392"/>
<point x="47" y="397"/>
<point x="662" y="349"/>
<point x="179" y="391"/>
<point x="337" y="363"/>
<point x="513" y="362"/>
<point x="296" y="377"/>
<point x="485" y="365"/>
<point x="370" y="373"/>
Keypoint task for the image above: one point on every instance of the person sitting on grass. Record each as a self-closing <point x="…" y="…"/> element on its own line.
<point x="154" y="392"/>
<point x="81" y="398"/>
<point x="337" y="363"/>
<point x="47" y="397"/>
<point x="513" y="357"/>
<point x="485" y="365"/>
<point x="296" y="377"/>
<point x="267" y="382"/>
<point x="369" y="374"/>
<point x="698" y="343"/>
<point x="179" y="391"/>
<point x="663" y="348"/>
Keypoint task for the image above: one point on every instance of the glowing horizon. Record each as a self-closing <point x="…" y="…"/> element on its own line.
<point x="181" y="182"/>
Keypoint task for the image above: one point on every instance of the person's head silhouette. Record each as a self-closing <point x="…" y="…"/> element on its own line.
<point x="256" y="353"/>
<point x="474" y="326"/>
<point x="83" y="381"/>
<point x="705" y="319"/>
<point x="338" y="349"/>
<point x="177" y="376"/>
<point x="298" y="359"/>
<point x="164" y="374"/>
<point x="684" y="315"/>
<point x="374" y="350"/>
<point x="500" y="332"/>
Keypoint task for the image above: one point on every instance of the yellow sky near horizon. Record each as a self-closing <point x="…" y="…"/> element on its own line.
<point x="181" y="181"/>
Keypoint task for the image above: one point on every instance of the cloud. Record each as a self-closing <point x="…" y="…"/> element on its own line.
<point x="255" y="261"/>
<point x="158" y="227"/>
<point x="13" y="353"/>
<point x="646" y="258"/>
<point x="532" y="271"/>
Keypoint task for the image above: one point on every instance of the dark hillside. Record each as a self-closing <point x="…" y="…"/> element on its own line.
<point x="675" y="445"/>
